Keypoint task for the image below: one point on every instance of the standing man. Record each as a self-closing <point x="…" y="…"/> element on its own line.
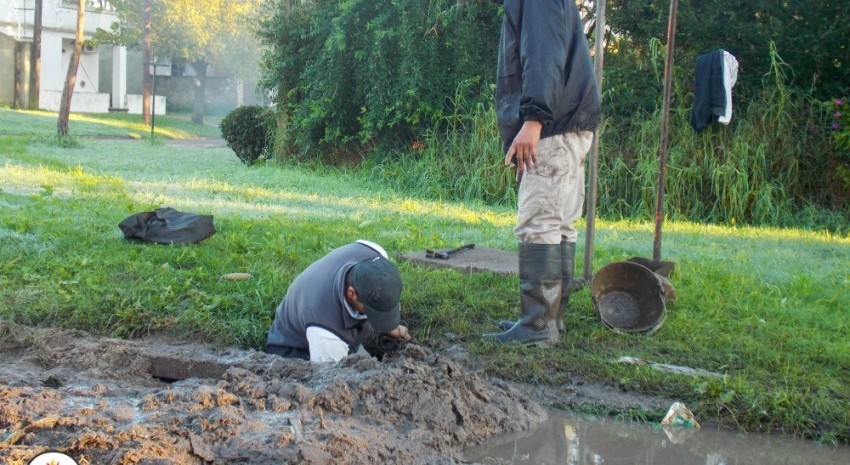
<point x="548" y="105"/>
<point x="337" y="303"/>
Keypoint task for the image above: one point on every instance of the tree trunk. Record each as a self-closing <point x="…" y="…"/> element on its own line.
<point x="19" y="66"/>
<point x="71" y="78"/>
<point x="148" y="60"/>
<point x="35" y="58"/>
<point x="200" y="68"/>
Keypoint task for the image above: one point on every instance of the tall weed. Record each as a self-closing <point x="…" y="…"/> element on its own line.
<point x="761" y="169"/>
<point x="765" y="168"/>
<point x="459" y="160"/>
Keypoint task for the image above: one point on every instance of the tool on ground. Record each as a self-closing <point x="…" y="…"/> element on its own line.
<point x="446" y="254"/>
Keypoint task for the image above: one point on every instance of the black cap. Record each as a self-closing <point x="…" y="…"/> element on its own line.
<point x="378" y="285"/>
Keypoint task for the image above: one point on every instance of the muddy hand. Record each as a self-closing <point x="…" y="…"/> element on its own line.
<point x="399" y="334"/>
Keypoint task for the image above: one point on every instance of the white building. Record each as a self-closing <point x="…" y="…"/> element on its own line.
<point x="96" y="91"/>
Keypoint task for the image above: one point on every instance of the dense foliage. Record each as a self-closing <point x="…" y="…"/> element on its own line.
<point x="248" y="130"/>
<point x="356" y="73"/>
<point x="810" y="35"/>
<point x="406" y="86"/>
<point x="775" y="164"/>
<point x="840" y="162"/>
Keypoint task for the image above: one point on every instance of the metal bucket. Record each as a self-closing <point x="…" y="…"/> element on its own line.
<point x="662" y="271"/>
<point x="628" y="297"/>
<point x="656" y="266"/>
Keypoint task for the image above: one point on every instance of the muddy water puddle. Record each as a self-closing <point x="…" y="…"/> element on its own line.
<point x="568" y="440"/>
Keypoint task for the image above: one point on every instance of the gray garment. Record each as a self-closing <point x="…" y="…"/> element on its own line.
<point x="316" y="298"/>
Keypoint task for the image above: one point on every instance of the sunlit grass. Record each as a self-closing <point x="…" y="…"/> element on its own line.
<point x="42" y="123"/>
<point x="765" y="307"/>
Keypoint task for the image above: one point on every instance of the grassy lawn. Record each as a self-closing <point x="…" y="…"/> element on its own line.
<point x="767" y="308"/>
<point x="112" y="125"/>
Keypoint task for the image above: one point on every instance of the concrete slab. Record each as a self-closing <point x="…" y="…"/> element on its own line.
<point x="476" y="260"/>
<point x="472" y="260"/>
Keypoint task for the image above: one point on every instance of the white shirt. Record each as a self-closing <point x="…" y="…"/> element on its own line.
<point x="730" y="77"/>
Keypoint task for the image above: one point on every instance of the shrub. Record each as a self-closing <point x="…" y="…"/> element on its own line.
<point x="248" y="130"/>
<point x="349" y="75"/>
<point x="839" y="164"/>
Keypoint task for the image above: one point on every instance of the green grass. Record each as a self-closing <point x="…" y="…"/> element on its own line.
<point x="767" y="307"/>
<point x="111" y="125"/>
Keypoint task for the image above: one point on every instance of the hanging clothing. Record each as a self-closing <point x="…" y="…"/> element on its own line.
<point x="730" y="77"/>
<point x="716" y="75"/>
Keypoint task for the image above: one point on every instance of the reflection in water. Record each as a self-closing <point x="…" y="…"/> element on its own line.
<point x="566" y="440"/>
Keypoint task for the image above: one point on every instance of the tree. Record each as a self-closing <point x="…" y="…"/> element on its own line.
<point x="203" y="33"/>
<point x="147" y="59"/>
<point x="212" y="32"/>
<point x="71" y="78"/>
<point x="35" y="57"/>
<point x="347" y="75"/>
<point x="133" y="29"/>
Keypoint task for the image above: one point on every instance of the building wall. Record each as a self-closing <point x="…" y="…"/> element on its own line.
<point x="87" y="71"/>
<point x="58" y="30"/>
<point x="56" y="50"/>
<point x="134" y="104"/>
<point x="60" y="15"/>
<point x="52" y="77"/>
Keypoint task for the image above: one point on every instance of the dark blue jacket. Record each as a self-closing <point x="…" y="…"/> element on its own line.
<point x="544" y="70"/>
<point x="709" y="92"/>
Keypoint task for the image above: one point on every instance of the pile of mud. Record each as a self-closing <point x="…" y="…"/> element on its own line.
<point x="105" y="401"/>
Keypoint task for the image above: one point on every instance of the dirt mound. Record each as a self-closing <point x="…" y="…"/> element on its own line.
<point x="110" y="401"/>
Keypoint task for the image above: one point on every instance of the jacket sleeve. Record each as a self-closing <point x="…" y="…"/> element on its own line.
<point x="543" y="55"/>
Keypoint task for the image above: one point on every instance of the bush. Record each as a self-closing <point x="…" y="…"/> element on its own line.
<point x="248" y="130"/>
<point x="839" y="163"/>
<point x="348" y="75"/>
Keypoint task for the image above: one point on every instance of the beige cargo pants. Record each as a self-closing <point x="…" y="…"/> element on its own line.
<point x="551" y="193"/>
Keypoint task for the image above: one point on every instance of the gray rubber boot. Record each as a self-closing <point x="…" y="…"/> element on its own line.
<point x="540" y="286"/>
<point x="568" y="264"/>
<point x="568" y="257"/>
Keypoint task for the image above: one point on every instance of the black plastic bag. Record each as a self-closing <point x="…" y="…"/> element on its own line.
<point x="168" y="226"/>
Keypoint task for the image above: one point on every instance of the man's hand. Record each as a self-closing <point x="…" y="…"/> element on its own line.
<point x="524" y="147"/>
<point x="399" y="334"/>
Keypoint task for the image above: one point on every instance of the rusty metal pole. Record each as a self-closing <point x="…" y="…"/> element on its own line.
<point x="665" y="128"/>
<point x="593" y="169"/>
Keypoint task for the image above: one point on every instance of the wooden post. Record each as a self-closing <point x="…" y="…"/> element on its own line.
<point x="35" y="59"/>
<point x="153" y="99"/>
<point x="71" y="78"/>
<point x="148" y="59"/>
<point x="19" y="70"/>
<point x="665" y="128"/>
<point x="593" y="169"/>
